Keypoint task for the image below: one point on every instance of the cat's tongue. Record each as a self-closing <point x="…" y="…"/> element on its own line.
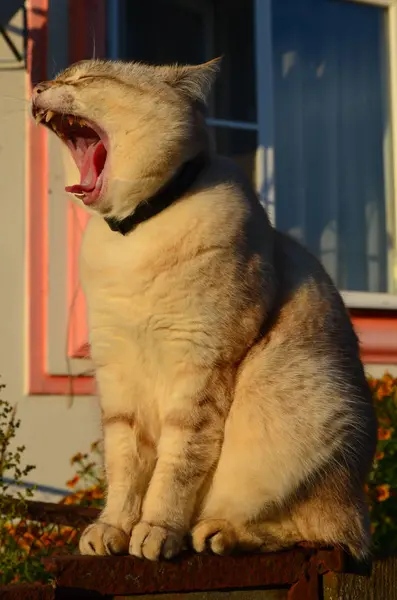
<point x="91" y="167"/>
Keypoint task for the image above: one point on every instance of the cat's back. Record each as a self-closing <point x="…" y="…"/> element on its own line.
<point x="308" y="353"/>
<point x="309" y="305"/>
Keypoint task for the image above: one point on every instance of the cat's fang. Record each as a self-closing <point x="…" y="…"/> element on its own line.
<point x="49" y="115"/>
<point x="38" y="118"/>
<point x="70" y="120"/>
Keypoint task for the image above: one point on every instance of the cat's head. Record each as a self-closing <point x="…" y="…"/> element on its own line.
<point x="128" y="126"/>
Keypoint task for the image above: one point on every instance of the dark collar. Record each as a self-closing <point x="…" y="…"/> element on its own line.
<point x="169" y="193"/>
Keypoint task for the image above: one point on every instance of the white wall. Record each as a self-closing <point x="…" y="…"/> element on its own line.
<point x="379" y="370"/>
<point x="52" y="428"/>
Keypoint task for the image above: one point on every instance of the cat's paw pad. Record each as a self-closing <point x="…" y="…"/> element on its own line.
<point x="101" y="539"/>
<point x="153" y="542"/>
<point x="216" y="535"/>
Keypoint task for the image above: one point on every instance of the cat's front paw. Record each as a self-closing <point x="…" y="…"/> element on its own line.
<point x="216" y="535"/>
<point x="154" y="542"/>
<point x="101" y="539"/>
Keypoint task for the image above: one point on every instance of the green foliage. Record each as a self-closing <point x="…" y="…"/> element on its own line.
<point x="13" y="563"/>
<point x="382" y="483"/>
<point x="89" y="482"/>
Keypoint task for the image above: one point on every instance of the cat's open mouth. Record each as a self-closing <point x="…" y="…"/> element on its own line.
<point x="88" y="146"/>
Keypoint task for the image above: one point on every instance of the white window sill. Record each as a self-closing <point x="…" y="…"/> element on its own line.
<point x="370" y="300"/>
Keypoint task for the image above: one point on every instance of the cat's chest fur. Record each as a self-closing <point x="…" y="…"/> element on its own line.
<point x="144" y="299"/>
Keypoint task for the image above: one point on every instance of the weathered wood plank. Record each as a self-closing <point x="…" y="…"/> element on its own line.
<point x="381" y="585"/>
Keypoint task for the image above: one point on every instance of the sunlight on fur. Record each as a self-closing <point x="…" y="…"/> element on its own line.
<point x="235" y="410"/>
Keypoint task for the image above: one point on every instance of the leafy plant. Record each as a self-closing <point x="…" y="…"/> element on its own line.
<point x="89" y="482"/>
<point x="13" y="563"/>
<point x="382" y="483"/>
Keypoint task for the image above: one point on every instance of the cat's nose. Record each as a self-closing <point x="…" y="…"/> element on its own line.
<point x="40" y="88"/>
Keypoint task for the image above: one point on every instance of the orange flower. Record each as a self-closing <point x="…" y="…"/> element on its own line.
<point x="385" y="390"/>
<point x="72" y="482"/>
<point x="45" y="540"/>
<point x="10" y="528"/>
<point x="97" y="494"/>
<point x="372" y="383"/>
<point x="24" y="545"/>
<point x="384" y="434"/>
<point x="68" y="500"/>
<point x="379" y="455"/>
<point x="387" y="378"/>
<point x="383" y="492"/>
<point x="39" y="544"/>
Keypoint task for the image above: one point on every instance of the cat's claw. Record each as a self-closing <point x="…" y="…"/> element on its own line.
<point x="154" y="542"/>
<point x="101" y="539"/>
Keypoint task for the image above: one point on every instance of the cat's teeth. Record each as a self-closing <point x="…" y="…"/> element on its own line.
<point x="38" y="118"/>
<point x="81" y="122"/>
<point x="70" y="119"/>
<point x="49" y="115"/>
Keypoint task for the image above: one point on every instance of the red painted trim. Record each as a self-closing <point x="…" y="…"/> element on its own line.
<point x="39" y="381"/>
<point x="377" y="331"/>
<point x="87" y="29"/>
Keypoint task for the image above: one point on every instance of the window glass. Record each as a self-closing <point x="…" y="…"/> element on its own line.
<point x="235" y="97"/>
<point x="331" y="137"/>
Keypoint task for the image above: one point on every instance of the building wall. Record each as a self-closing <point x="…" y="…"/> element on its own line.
<point x="53" y="428"/>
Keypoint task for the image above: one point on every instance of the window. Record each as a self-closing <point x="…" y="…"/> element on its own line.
<point x="332" y="137"/>
<point x="303" y="105"/>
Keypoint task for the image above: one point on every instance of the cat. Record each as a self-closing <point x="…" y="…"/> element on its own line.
<point x="235" y="410"/>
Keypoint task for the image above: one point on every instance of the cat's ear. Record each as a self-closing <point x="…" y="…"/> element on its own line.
<point x="193" y="81"/>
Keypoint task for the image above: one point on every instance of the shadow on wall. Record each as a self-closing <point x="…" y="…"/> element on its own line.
<point x="34" y="33"/>
<point x="8" y="10"/>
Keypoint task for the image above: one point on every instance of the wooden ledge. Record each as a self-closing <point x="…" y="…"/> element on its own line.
<point x="27" y="591"/>
<point x="297" y="569"/>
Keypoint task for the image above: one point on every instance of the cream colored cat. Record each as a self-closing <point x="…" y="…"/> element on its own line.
<point x="234" y="403"/>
